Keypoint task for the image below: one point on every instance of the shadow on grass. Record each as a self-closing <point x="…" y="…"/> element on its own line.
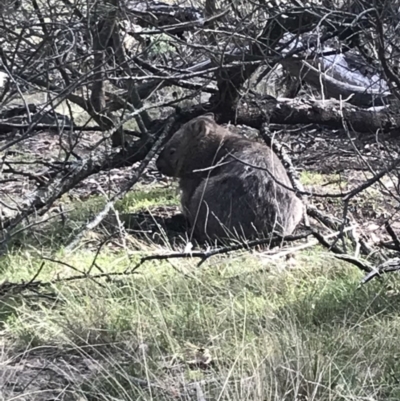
<point x="149" y="215"/>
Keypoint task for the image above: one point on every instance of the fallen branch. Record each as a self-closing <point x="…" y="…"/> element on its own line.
<point x="361" y="264"/>
<point x="271" y="241"/>
<point x="6" y="128"/>
<point x="389" y="266"/>
<point x="204" y="255"/>
<point x="331" y="113"/>
<point x="8" y="288"/>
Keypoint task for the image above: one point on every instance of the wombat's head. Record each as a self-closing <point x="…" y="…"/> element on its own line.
<point x="184" y="152"/>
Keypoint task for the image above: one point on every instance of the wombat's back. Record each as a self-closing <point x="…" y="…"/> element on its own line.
<point x="243" y="201"/>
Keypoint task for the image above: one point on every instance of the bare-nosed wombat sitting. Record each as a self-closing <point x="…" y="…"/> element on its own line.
<point x="222" y="194"/>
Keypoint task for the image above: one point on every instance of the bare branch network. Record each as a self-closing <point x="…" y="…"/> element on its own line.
<point x="111" y="81"/>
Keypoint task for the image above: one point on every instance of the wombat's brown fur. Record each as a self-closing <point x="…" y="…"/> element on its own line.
<point x="228" y="198"/>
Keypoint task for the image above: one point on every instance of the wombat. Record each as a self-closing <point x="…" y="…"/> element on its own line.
<point x="222" y="194"/>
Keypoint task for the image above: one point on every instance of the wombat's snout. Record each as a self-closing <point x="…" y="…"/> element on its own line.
<point x="163" y="166"/>
<point x="160" y="163"/>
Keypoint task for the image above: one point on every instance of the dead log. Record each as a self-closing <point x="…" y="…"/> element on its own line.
<point x="331" y="113"/>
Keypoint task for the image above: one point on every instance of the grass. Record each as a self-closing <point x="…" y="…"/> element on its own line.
<point x="307" y="332"/>
<point x="271" y="332"/>
<point x="148" y="198"/>
<point x="57" y="231"/>
<point x="311" y="178"/>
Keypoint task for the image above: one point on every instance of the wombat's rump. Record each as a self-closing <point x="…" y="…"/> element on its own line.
<point x="223" y="194"/>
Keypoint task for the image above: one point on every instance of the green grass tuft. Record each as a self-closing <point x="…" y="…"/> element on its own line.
<point x="147" y="199"/>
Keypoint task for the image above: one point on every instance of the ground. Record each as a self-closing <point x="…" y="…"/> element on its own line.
<point x="249" y="325"/>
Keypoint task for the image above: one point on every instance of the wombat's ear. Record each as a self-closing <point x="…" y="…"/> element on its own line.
<point x="200" y="127"/>
<point x="210" y="116"/>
